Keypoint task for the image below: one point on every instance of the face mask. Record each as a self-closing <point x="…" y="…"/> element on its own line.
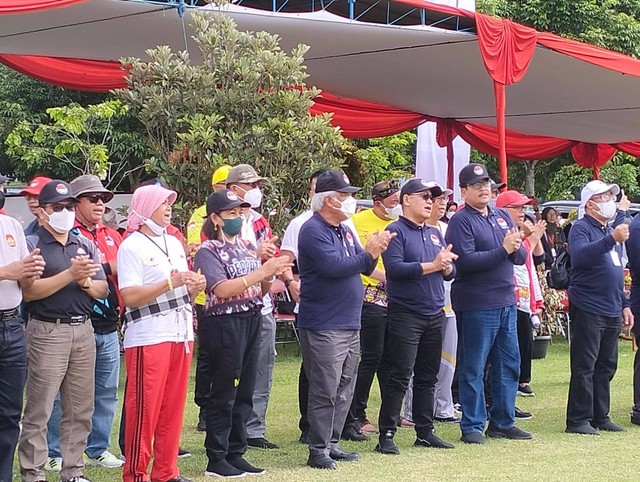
<point x="152" y="225"/>
<point x="394" y="212"/>
<point x="347" y="207"/>
<point x="62" y="222"/>
<point x="232" y="226"/>
<point x="608" y="209"/>
<point x="253" y="197"/>
<point x="449" y="214"/>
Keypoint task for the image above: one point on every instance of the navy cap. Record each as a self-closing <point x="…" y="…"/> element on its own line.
<point x="413" y="186"/>
<point x="55" y="191"/>
<point x="472" y="173"/>
<point x="224" y="200"/>
<point x="334" y="180"/>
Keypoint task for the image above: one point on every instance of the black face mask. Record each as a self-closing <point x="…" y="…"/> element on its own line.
<point x="2" y="199"/>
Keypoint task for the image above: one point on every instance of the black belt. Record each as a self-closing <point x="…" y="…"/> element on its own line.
<point x="7" y="315"/>
<point x="73" y="320"/>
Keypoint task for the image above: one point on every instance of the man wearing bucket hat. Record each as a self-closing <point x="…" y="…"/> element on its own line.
<point x="598" y="309"/>
<point x="60" y="340"/>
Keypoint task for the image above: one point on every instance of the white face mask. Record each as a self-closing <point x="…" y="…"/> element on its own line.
<point x="608" y="209"/>
<point x="62" y="222"/>
<point x="449" y="214"/>
<point x="348" y="206"/>
<point x="394" y="212"/>
<point x="253" y="197"/>
<point x="151" y="224"/>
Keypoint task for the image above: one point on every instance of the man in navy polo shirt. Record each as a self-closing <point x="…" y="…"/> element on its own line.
<point x="483" y="297"/>
<point x="330" y="262"/>
<point x="417" y="264"/>
<point x="598" y="308"/>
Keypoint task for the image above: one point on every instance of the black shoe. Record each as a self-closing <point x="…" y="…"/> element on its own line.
<point x="261" y="443"/>
<point x="241" y="464"/>
<point x="430" y="439"/>
<point x="304" y="438"/>
<point x="472" y="438"/>
<point x="525" y="391"/>
<point x="223" y="469"/>
<point x="183" y="454"/>
<point x="635" y="418"/>
<point x="350" y="433"/>
<point x="340" y="455"/>
<point x="522" y="415"/>
<point x="386" y="445"/>
<point x="513" y="433"/>
<point x="453" y="419"/>
<point x="321" y="461"/>
<point x="609" y="426"/>
<point x="584" y="429"/>
<point x="202" y="421"/>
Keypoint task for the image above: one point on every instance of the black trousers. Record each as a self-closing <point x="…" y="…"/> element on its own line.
<point x="594" y="360"/>
<point x="636" y="369"/>
<point x="203" y="383"/>
<point x="232" y="342"/>
<point x="303" y="399"/>
<point x="372" y="334"/>
<point x="525" y="344"/>
<point x="413" y="344"/>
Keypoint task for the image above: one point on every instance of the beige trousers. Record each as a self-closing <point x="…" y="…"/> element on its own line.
<point x="60" y="357"/>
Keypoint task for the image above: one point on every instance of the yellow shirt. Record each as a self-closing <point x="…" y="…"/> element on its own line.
<point x="193" y="236"/>
<point x="367" y="223"/>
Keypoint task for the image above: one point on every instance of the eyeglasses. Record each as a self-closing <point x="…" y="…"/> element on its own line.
<point x="424" y="195"/>
<point x="58" y="208"/>
<point x="480" y="185"/>
<point x="440" y="199"/>
<point x="517" y="208"/>
<point x="94" y="198"/>
<point x="606" y="196"/>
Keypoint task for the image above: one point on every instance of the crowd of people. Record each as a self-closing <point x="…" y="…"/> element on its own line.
<point x="435" y="299"/>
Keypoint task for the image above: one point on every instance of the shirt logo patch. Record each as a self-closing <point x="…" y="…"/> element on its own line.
<point x="435" y="240"/>
<point x="81" y="251"/>
<point x="150" y="261"/>
<point x="502" y="223"/>
<point x="345" y="178"/>
<point x="478" y="171"/>
<point x="11" y="241"/>
<point x="224" y="256"/>
<point x="350" y="238"/>
<point x="109" y="240"/>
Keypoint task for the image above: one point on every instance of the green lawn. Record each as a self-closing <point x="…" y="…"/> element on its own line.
<point x="551" y="455"/>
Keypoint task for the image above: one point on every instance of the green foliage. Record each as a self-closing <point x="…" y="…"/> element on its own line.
<point x="246" y="103"/>
<point x="622" y="170"/>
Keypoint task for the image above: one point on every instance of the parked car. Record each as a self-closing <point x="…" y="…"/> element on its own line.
<point x="564" y="207"/>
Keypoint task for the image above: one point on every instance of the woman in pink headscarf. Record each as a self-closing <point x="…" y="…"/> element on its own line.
<point x="156" y="287"/>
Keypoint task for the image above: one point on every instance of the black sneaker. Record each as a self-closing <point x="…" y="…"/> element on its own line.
<point x="584" y="429"/>
<point x="241" y="464"/>
<point x="472" y="438"/>
<point x="202" y="421"/>
<point x="513" y="433"/>
<point x="223" y="469"/>
<point x="430" y="439"/>
<point x="340" y="455"/>
<point x="304" y="438"/>
<point x="386" y="445"/>
<point x="610" y="426"/>
<point x="525" y="390"/>
<point x="261" y="443"/>
<point x="635" y="417"/>
<point x="453" y="419"/>
<point x="321" y="461"/>
<point x="353" y="434"/>
<point x="522" y="415"/>
<point x="183" y="454"/>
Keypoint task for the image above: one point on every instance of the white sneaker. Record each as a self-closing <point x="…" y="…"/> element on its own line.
<point x="53" y="464"/>
<point x="105" y="459"/>
<point x="78" y="478"/>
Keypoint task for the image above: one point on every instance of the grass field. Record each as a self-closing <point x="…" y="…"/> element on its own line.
<point x="551" y="455"/>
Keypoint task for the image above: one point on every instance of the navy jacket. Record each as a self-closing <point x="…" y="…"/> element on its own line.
<point x="406" y="285"/>
<point x="330" y="261"/>
<point x="484" y="278"/>
<point x="597" y="281"/>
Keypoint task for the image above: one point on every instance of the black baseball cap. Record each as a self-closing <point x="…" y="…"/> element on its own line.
<point x="55" y="191"/>
<point x="224" y="200"/>
<point x="413" y="186"/>
<point x="472" y="173"/>
<point x="334" y="180"/>
<point x="496" y="186"/>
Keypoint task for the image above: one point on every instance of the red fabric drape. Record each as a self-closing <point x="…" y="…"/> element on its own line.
<point x="631" y="148"/>
<point x="8" y="7"/>
<point x="593" y="156"/>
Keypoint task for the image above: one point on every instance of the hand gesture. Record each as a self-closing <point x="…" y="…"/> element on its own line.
<point x="275" y="266"/>
<point x="444" y="259"/>
<point x="83" y="267"/>
<point x="378" y="243"/>
<point x="624" y="202"/>
<point x="534" y="231"/>
<point x="195" y="282"/>
<point x="512" y="241"/>
<point x="621" y="233"/>
<point x="32" y="265"/>
<point x="267" y="249"/>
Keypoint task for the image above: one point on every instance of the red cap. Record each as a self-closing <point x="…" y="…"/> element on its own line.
<point x="35" y="186"/>
<point x="512" y="198"/>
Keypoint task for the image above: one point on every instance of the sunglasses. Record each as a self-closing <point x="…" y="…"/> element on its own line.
<point x="392" y="188"/>
<point x="58" y="208"/>
<point x="94" y="198"/>
<point x="424" y="195"/>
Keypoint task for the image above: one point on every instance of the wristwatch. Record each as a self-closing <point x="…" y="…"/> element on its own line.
<point x="88" y="285"/>
<point x="287" y="282"/>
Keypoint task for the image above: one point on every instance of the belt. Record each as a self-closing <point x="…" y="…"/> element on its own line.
<point x="73" y="320"/>
<point x="6" y="315"/>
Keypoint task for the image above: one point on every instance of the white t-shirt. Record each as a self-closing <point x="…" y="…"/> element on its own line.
<point x="250" y="235"/>
<point x="448" y="310"/>
<point x="13" y="247"/>
<point x="142" y="261"/>
<point x="290" y="238"/>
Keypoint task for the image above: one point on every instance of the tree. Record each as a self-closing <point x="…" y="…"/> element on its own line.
<point x="245" y="103"/>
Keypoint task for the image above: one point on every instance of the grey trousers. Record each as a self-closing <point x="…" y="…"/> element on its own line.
<point x="60" y="357"/>
<point x="443" y="396"/>
<point x="257" y="425"/>
<point x="331" y="364"/>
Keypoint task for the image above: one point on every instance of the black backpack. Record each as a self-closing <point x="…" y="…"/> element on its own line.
<point x="560" y="272"/>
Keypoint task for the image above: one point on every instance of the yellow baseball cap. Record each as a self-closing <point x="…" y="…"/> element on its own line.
<point x="220" y="174"/>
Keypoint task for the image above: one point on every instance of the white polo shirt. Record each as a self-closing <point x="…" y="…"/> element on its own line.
<point x="13" y="247"/>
